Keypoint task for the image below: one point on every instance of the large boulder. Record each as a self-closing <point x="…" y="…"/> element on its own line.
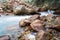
<point x="21" y="9"/>
<point x="37" y="25"/>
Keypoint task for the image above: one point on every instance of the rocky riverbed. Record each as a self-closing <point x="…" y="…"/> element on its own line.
<point x="9" y="25"/>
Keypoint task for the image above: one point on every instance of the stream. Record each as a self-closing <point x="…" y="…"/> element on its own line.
<point x="9" y="25"/>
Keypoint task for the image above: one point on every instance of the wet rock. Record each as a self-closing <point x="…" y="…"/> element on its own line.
<point x="4" y="37"/>
<point x="49" y="17"/>
<point x="41" y="35"/>
<point x="34" y="17"/>
<point x="37" y="25"/>
<point x="24" y="22"/>
<point x="43" y="18"/>
<point x="27" y="22"/>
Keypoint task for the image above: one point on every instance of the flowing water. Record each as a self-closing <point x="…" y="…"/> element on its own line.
<point x="9" y="23"/>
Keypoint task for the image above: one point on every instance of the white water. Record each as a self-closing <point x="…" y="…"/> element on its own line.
<point x="9" y="23"/>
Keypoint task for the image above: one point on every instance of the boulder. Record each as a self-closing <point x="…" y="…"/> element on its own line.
<point x="37" y="25"/>
<point x="41" y="35"/>
<point x="24" y="23"/>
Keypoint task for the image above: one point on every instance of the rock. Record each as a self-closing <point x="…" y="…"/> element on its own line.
<point x="7" y="7"/>
<point x="22" y="9"/>
<point x="52" y="34"/>
<point x="49" y="17"/>
<point x="24" y="22"/>
<point x="27" y="36"/>
<point x="53" y="22"/>
<point x="58" y="19"/>
<point x="43" y="18"/>
<point x="19" y="9"/>
<point x="42" y="9"/>
<point x="41" y="35"/>
<point x="46" y="27"/>
<point x="37" y="25"/>
<point x="1" y="11"/>
<point x="34" y="17"/>
<point x="57" y="12"/>
<point x="57" y="23"/>
<point x="4" y="37"/>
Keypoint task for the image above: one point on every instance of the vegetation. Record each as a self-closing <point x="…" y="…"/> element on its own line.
<point x="51" y="4"/>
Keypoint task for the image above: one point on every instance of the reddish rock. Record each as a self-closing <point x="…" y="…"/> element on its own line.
<point x="41" y="35"/>
<point x="43" y="18"/>
<point x="34" y="17"/>
<point x="37" y="25"/>
<point x="57" y="24"/>
<point x="24" y="22"/>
